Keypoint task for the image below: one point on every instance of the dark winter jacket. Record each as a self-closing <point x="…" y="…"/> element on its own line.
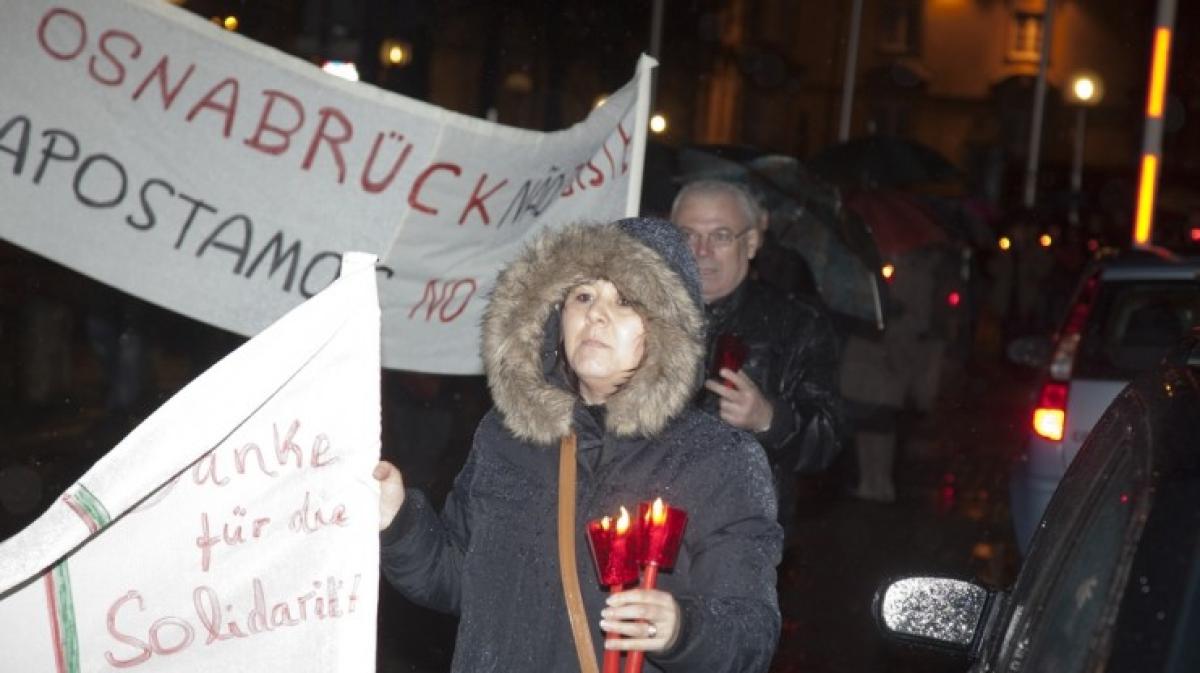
<point x="792" y="357"/>
<point x="491" y="556"/>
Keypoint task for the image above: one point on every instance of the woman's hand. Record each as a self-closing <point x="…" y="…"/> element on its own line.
<point x="391" y="492"/>
<point x="648" y="618"/>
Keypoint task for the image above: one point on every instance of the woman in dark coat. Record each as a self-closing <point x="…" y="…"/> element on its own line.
<point x="596" y="330"/>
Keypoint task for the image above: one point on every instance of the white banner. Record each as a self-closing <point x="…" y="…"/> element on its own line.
<point x="261" y="554"/>
<point x="192" y="167"/>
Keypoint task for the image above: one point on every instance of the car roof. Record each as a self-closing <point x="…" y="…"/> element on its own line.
<point x="1152" y="264"/>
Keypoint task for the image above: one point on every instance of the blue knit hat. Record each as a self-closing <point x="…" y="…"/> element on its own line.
<point x="670" y="243"/>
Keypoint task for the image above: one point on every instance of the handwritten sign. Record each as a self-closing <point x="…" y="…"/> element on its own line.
<point x="234" y="530"/>
<point x="199" y="170"/>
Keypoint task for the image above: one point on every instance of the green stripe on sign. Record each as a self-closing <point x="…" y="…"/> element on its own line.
<point x="65" y="609"/>
<point x="92" y="505"/>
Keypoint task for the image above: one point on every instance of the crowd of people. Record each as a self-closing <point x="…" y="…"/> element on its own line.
<point x="660" y="359"/>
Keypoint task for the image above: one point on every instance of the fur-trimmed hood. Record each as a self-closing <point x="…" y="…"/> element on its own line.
<point x="649" y="262"/>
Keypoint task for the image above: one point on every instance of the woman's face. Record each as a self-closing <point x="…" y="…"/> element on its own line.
<point x="603" y="337"/>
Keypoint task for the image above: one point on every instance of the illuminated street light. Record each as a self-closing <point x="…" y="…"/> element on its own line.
<point x="658" y="123"/>
<point x="1084" y="89"/>
<point x="231" y="23"/>
<point x="1005" y="243"/>
<point x="394" y="53"/>
<point x="1045" y="240"/>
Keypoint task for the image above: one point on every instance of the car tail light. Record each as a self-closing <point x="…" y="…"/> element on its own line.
<point x="1067" y="343"/>
<point x="1050" y="414"/>
<point x="953" y="299"/>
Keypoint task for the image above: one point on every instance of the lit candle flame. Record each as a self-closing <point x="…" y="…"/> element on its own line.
<point x="622" y="522"/>
<point x="605" y="523"/>
<point x="657" y="514"/>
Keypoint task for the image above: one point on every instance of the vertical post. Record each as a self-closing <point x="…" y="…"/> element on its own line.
<point x="1077" y="163"/>
<point x="1039" y="106"/>
<point x="1143" y="222"/>
<point x="851" y="68"/>
<point x="656" y="27"/>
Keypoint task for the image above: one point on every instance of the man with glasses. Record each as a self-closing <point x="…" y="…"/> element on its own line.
<point x="784" y="390"/>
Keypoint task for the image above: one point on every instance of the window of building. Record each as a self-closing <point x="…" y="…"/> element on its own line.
<point x="900" y="27"/>
<point x="1025" y="37"/>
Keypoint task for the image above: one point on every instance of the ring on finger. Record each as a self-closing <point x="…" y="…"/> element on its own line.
<point x="651" y="630"/>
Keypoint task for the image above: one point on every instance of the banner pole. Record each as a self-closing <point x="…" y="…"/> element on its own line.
<point x="641" y="123"/>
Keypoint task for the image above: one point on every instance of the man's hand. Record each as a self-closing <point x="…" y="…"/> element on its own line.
<point x="742" y="406"/>
<point x="391" y="492"/>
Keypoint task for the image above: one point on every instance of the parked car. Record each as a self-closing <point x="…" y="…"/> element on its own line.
<point x="1126" y="314"/>
<point x="1112" y="580"/>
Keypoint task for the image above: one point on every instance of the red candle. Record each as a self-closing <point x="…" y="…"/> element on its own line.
<point x="659" y="538"/>
<point x="612" y="552"/>
<point x="730" y="354"/>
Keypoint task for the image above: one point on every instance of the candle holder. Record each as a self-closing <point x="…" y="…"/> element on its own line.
<point x="659" y="534"/>
<point x="730" y="354"/>
<point x="613" y="546"/>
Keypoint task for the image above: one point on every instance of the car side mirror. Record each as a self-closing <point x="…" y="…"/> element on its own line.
<point x="1030" y="351"/>
<point x="934" y="612"/>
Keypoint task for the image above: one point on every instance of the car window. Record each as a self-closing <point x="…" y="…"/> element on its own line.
<point x="1133" y="325"/>
<point x="1078" y="566"/>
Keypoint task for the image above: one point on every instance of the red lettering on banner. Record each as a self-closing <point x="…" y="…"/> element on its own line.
<point x="209" y="101"/>
<point x="80" y="27"/>
<point x="414" y="196"/>
<point x="597" y="175"/>
<point x="476" y="200"/>
<point x="111" y="620"/>
<point x="626" y="141"/>
<point x="335" y="142"/>
<point x="159" y="72"/>
<point x="371" y="186"/>
<point x="284" y="134"/>
<point x="327" y="600"/>
<point x="283" y="127"/>
<point x="439" y="301"/>
<point x="119" y="77"/>
<point x="612" y="167"/>
<point x="309" y="519"/>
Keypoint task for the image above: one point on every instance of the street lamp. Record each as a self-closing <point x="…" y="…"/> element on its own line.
<point x="1084" y="90"/>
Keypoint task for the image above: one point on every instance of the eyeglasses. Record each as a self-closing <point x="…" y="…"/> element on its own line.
<point x="721" y="238"/>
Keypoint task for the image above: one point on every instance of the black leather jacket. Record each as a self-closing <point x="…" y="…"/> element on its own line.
<point x="793" y="358"/>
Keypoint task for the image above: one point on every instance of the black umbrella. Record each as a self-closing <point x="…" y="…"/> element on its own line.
<point x="806" y="216"/>
<point x="882" y="161"/>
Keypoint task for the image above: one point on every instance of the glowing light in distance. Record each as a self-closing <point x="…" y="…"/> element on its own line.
<point x="344" y="69"/>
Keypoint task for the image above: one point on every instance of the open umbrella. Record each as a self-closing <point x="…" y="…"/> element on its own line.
<point x="806" y="216"/>
<point x="898" y="222"/>
<point x="882" y="161"/>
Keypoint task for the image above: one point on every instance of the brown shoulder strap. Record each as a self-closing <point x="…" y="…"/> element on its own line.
<point x="566" y="557"/>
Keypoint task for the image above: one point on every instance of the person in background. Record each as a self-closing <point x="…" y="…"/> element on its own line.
<point x="783" y="388"/>
<point x="594" y="332"/>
